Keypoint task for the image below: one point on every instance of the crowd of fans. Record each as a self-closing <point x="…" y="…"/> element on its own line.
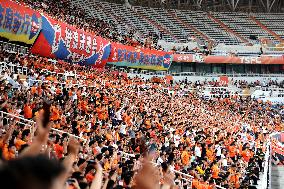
<point x="268" y="83"/>
<point x="64" y="11"/>
<point x="123" y="125"/>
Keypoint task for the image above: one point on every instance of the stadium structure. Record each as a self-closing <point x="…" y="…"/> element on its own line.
<point x="220" y="29"/>
<point x="128" y="78"/>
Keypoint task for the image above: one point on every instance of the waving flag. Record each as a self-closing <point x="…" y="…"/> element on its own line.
<point x="65" y="42"/>
<point x="18" y="23"/>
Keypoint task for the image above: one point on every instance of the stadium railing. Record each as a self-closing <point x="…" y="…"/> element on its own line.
<point x="164" y="73"/>
<point x="32" y="124"/>
<point x="265" y="181"/>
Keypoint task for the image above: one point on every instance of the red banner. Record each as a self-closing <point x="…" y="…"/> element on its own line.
<point x="199" y="58"/>
<point x="224" y="80"/>
<point x="122" y="55"/>
<point x="65" y="42"/>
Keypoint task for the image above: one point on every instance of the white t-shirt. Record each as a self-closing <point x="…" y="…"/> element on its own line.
<point x="224" y="162"/>
<point x="123" y="129"/>
<point x="118" y="115"/>
<point x="167" y="142"/>
<point x="197" y="151"/>
<point x="160" y="160"/>
<point x="176" y="140"/>
<point x="74" y="97"/>
<point x="98" y="149"/>
<point x="219" y="151"/>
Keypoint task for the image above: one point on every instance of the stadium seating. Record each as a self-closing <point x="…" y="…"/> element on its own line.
<point x="124" y="15"/>
<point x="242" y="24"/>
<point x="213" y="30"/>
<point x="273" y="22"/>
<point x="174" y="24"/>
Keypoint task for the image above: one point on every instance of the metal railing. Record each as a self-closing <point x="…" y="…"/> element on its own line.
<point x="164" y="73"/>
<point x="265" y="181"/>
<point x="32" y="124"/>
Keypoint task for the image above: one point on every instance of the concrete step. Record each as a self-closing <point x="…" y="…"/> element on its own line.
<point x="277" y="177"/>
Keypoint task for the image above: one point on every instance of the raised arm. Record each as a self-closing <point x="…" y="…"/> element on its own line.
<point x="98" y="180"/>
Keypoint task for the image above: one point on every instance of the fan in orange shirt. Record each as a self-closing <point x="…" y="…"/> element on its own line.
<point x="99" y="111"/>
<point x="232" y="150"/>
<point x="235" y="179"/>
<point x="215" y="171"/>
<point x="148" y="123"/>
<point x="19" y="143"/>
<point x="28" y="112"/>
<point x="55" y="113"/>
<point x="185" y="157"/>
<point x="247" y="154"/>
<point x="195" y="183"/>
<point x="9" y="151"/>
<point x="58" y="150"/>
<point x="33" y="90"/>
<point x="210" y="153"/>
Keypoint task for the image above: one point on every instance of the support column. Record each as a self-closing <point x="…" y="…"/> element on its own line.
<point x="268" y="4"/>
<point x="233" y="4"/>
<point x="198" y="3"/>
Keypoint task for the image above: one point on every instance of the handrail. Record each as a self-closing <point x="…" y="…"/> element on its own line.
<point x="33" y="122"/>
<point x="264" y="180"/>
<point x="24" y="70"/>
<point x="208" y="74"/>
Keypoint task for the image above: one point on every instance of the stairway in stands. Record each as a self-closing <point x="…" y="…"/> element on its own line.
<point x="193" y="31"/>
<point x="264" y="27"/>
<point x="225" y="27"/>
<point x="213" y="30"/>
<point x="149" y="14"/>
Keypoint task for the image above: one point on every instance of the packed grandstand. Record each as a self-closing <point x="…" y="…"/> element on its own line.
<point x="141" y="94"/>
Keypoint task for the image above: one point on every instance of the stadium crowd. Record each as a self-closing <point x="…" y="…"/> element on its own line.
<point x="268" y="83"/>
<point x="123" y="125"/>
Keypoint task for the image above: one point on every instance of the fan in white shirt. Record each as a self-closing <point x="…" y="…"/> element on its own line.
<point x="197" y="151"/>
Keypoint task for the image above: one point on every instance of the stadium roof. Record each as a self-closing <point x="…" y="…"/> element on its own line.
<point x="213" y="5"/>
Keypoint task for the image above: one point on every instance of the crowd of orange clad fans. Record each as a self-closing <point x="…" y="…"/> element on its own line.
<point x="218" y="142"/>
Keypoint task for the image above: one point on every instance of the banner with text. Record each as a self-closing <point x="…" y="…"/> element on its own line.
<point x="18" y="23"/>
<point x="65" y="42"/>
<point x="199" y="58"/>
<point x="122" y="55"/>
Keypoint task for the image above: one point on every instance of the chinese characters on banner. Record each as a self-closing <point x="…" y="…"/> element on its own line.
<point x="65" y="42"/>
<point x="18" y="23"/>
<point x="224" y="80"/>
<point x="123" y="55"/>
<point x="227" y="59"/>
